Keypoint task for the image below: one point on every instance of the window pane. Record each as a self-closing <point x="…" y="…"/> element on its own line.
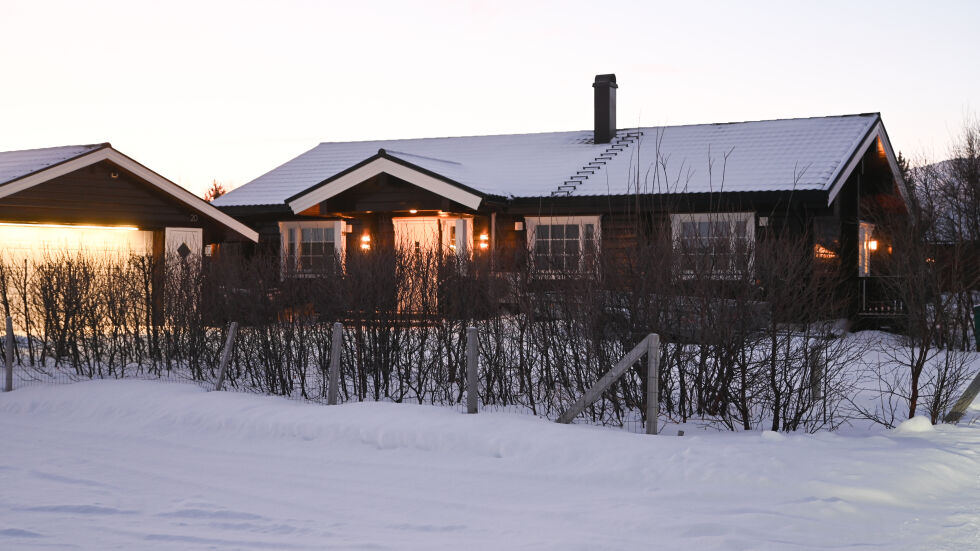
<point x="557" y="231"/>
<point x="542" y="232"/>
<point x="571" y="231"/>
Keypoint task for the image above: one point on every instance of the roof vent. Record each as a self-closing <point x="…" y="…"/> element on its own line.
<point x="605" y="108"/>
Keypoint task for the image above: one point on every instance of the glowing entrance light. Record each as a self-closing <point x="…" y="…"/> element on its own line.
<point x="484" y="241"/>
<point x="365" y="242"/>
<point x="873" y="245"/>
<point x="413" y="211"/>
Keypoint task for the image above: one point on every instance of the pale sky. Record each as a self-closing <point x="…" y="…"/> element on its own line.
<point x="228" y="90"/>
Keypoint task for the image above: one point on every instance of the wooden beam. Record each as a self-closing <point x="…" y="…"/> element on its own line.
<point x="959" y="409"/>
<point x="226" y="355"/>
<point x="8" y="357"/>
<point x="472" y="370"/>
<point x="653" y="382"/>
<point x="605" y="382"/>
<point x="334" y="368"/>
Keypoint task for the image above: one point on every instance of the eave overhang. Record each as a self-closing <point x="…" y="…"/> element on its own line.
<point x="380" y="163"/>
<point x="107" y="153"/>
<point x="875" y="134"/>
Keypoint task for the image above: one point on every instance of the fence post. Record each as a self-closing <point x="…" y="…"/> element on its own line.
<point x="336" y="344"/>
<point x="604" y="382"/>
<point x="976" y="325"/>
<point x="653" y="382"/>
<point x="961" y="405"/>
<point x="472" y="371"/>
<point x="226" y="354"/>
<point x="8" y="357"/>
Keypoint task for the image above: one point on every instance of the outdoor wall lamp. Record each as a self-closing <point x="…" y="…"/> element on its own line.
<point x="484" y="241"/>
<point x="873" y="245"/>
<point x="365" y="242"/>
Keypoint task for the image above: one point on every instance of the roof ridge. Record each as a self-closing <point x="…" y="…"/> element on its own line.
<point x="91" y="145"/>
<point x="663" y="126"/>
<point x="416" y="155"/>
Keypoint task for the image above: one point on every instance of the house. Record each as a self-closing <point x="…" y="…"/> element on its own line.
<point x="559" y="195"/>
<point x="95" y="199"/>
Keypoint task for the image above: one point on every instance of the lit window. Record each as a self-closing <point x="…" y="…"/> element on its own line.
<point x="714" y="244"/>
<point x="823" y="253"/>
<point x="310" y="247"/>
<point x="563" y="244"/>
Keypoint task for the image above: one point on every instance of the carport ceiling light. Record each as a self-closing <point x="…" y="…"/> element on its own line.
<point x="73" y="226"/>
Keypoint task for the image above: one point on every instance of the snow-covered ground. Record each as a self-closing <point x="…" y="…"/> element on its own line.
<point x="148" y="465"/>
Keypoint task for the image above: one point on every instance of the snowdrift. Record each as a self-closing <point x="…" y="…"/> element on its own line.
<point x="139" y="464"/>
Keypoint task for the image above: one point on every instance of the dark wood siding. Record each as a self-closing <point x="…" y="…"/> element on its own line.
<point x="386" y="193"/>
<point x="620" y="237"/>
<point x="102" y="194"/>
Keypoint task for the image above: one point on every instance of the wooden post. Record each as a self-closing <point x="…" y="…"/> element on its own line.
<point x="964" y="402"/>
<point x="472" y="370"/>
<point x="226" y="354"/>
<point x="653" y="382"/>
<point x="8" y="358"/>
<point x="336" y="344"/>
<point x="605" y="382"/>
<point x="493" y="241"/>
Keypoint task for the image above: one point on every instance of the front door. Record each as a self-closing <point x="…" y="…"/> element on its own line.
<point x="418" y="234"/>
<point x="431" y="233"/>
<point x="422" y="240"/>
<point x="184" y="244"/>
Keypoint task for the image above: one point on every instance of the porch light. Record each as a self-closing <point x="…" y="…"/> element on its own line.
<point x="873" y="245"/>
<point x="484" y="241"/>
<point x="365" y="242"/>
<point x="413" y="211"/>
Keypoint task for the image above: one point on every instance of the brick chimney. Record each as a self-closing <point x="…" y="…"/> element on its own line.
<point x="605" y="108"/>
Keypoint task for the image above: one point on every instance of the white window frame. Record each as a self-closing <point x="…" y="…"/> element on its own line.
<point x="677" y="221"/>
<point x="532" y="222"/>
<point x="339" y="242"/>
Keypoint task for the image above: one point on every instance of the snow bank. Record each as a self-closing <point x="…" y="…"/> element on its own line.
<point x="917" y="424"/>
<point x="137" y="464"/>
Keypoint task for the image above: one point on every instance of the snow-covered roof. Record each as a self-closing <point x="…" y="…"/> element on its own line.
<point x="17" y="164"/>
<point x="20" y="170"/>
<point x="802" y="154"/>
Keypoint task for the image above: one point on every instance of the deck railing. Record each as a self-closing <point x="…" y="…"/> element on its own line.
<point x="878" y="297"/>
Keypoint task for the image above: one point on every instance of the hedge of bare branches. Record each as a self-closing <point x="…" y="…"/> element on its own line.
<point x="744" y="345"/>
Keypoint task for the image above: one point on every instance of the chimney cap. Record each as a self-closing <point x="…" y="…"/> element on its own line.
<point x="605" y="80"/>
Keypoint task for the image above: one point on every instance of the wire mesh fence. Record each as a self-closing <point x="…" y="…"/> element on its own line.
<point x="544" y="338"/>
